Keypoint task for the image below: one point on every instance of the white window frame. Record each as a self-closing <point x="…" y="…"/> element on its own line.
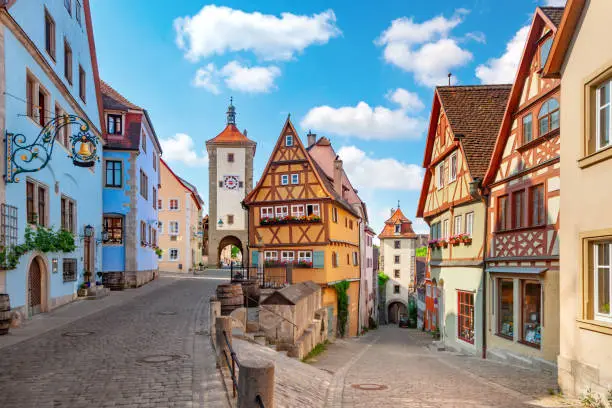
<point x="160" y="227"/>
<point x="284" y="179"/>
<point x="440" y="176"/>
<point x="397" y="228"/>
<point x="445" y="225"/>
<point x="271" y="255"/>
<point x="170" y="255"/>
<point x="305" y="256"/>
<point x="266" y="212"/>
<point x="295" y="178"/>
<point x="297" y="210"/>
<point x="289" y="140"/>
<point x="170" y="229"/>
<point x="601" y="316"/>
<point x="177" y="204"/>
<point x="598" y="109"/>
<point x="285" y="256"/>
<point x="452" y="174"/>
<point x="458" y="225"/>
<point x="469" y="223"/>
<point x="315" y="209"/>
<point x="281" y="211"/>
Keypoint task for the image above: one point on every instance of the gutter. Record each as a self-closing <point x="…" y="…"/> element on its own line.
<point x="485" y="198"/>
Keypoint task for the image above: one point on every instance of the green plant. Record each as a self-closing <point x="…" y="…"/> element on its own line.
<point x="422" y="252"/>
<point x="609" y="397"/>
<point x="318" y="349"/>
<point x="382" y="279"/>
<point x="159" y="252"/>
<point x="42" y="239"/>
<point x="341" y="292"/>
<point x="591" y="400"/>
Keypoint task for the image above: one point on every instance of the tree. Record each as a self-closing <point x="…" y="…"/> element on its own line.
<point x="235" y="251"/>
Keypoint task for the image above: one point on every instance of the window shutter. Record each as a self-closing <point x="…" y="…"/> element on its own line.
<point x="318" y="259"/>
<point x="255" y="258"/>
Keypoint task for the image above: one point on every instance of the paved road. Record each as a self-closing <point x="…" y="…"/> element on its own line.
<point x="146" y="352"/>
<point x="413" y="376"/>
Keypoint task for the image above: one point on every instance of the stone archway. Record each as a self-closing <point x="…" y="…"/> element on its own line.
<point x="37" y="286"/>
<point x="395" y="308"/>
<point x="230" y="240"/>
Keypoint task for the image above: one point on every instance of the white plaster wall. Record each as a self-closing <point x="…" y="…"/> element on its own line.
<point x="228" y="201"/>
<point x="406" y="266"/>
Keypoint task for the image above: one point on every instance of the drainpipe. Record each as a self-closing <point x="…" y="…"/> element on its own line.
<point x="475" y="188"/>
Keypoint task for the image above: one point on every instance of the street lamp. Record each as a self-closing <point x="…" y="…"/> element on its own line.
<point x="89" y="230"/>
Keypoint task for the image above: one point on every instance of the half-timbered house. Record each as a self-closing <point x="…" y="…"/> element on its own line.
<point x="523" y="185"/>
<point x="299" y="220"/>
<point x="463" y="127"/>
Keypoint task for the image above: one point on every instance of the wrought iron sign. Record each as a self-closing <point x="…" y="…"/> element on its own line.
<point x="23" y="156"/>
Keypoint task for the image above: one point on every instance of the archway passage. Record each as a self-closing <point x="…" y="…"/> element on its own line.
<point x="396" y="309"/>
<point x="35" y="287"/>
<point x="230" y="251"/>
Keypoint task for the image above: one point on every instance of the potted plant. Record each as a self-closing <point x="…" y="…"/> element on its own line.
<point x="455" y="240"/>
<point x="466" y="239"/>
<point x="442" y="243"/>
<point x="82" y="292"/>
<point x="159" y="251"/>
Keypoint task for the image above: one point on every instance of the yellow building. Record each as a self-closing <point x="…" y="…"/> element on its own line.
<point x="180" y="223"/>
<point x="301" y="221"/>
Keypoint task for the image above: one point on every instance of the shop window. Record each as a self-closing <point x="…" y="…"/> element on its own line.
<point x="531" y="313"/>
<point x="114" y="229"/>
<point x="505" y="308"/>
<point x="465" y="316"/>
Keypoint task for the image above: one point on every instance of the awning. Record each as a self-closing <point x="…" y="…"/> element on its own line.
<point x="517" y="269"/>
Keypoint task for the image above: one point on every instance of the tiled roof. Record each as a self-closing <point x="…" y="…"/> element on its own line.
<point x="406" y="230"/>
<point x="475" y="112"/>
<point x="230" y="134"/>
<point x="112" y="99"/>
<point x="554" y="14"/>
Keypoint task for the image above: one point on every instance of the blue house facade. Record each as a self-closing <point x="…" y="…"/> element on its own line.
<point x="131" y="185"/>
<point x="49" y="75"/>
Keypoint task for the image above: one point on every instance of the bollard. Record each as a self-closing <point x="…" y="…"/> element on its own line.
<point x="222" y="323"/>
<point x="256" y="379"/>
<point x="215" y="311"/>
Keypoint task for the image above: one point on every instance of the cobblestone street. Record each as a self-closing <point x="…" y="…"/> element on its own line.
<point x="148" y="351"/>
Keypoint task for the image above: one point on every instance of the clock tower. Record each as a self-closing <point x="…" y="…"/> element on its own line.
<point x="230" y="179"/>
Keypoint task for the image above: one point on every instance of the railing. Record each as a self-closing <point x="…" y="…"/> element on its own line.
<point x="266" y="277"/>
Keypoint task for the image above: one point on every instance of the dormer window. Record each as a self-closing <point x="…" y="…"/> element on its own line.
<point x="398" y="228"/>
<point x="114" y="124"/>
<point x="289" y="140"/>
<point x="544" y="51"/>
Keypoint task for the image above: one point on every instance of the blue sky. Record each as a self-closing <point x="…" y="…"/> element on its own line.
<point x="359" y="72"/>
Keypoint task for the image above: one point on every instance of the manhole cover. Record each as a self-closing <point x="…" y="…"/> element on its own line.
<point x="369" y="387"/>
<point x="167" y="313"/>
<point x="159" y="358"/>
<point x="78" y="333"/>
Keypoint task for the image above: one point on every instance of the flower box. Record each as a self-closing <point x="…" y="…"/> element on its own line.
<point x="442" y="243"/>
<point x="290" y="220"/>
<point x="455" y="240"/>
<point x="466" y="239"/>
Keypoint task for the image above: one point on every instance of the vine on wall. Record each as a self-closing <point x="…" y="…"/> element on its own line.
<point x="42" y="239"/>
<point x="342" y="295"/>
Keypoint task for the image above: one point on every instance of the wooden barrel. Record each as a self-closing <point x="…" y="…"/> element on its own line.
<point x="230" y="296"/>
<point x="5" y="313"/>
<point x="251" y="292"/>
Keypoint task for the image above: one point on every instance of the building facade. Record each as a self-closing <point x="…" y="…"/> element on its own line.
<point x="180" y="232"/>
<point x="131" y="188"/>
<point x="230" y="179"/>
<point x="48" y="70"/>
<point x="585" y="274"/>
<point x="369" y="282"/>
<point x="463" y="127"/>
<point x="398" y="244"/>
<point x="523" y="184"/>
<point x="300" y="217"/>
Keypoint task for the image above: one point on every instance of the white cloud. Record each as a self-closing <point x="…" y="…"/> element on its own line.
<point x="554" y="3"/>
<point x="391" y="174"/>
<point x="217" y="30"/>
<point x="406" y="99"/>
<point x="477" y="36"/>
<point x="424" y="49"/>
<point x="420" y="226"/>
<point x="180" y="148"/>
<point x="503" y="69"/>
<point x="253" y="80"/>
<point x="206" y="77"/>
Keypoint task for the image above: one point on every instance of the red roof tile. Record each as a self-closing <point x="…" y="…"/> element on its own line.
<point x="406" y="230"/>
<point x="230" y="134"/>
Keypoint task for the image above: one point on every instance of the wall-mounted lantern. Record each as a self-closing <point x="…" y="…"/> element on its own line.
<point x="54" y="263"/>
<point x="89" y="231"/>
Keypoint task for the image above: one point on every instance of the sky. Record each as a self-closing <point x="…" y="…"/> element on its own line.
<point x="359" y="72"/>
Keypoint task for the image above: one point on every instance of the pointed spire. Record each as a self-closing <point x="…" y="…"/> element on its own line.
<point x="398" y="202"/>
<point x="231" y="112"/>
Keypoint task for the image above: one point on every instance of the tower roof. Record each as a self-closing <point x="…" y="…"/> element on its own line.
<point x="397" y="218"/>
<point x="231" y="134"/>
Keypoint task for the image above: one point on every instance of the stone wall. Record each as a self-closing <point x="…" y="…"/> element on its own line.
<point x="128" y="279"/>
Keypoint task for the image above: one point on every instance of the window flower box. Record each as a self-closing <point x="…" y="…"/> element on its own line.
<point x="290" y="219"/>
<point x="442" y="243"/>
<point x="433" y="243"/>
<point x="455" y="240"/>
<point x="466" y="239"/>
<point x="303" y="264"/>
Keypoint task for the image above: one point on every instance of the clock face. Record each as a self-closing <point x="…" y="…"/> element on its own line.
<point x="231" y="182"/>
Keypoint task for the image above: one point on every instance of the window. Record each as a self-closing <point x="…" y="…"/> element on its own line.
<point x="31" y="214"/>
<point x="30" y="104"/>
<point x="49" y="35"/>
<point x="396" y="289"/>
<point x="114" y="172"/>
<point x="113" y="124"/>
<point x="114" y="229"/>
<point x="544" y="51"/>
<point x="537" y="205"/>
<point x="42" y="205"/>
<point x="154" y="156"/>
<point x="335" y="259"/>
<point x="469" y="223"/>
<point x="397" y="244"/>
<point x="174" y="254"/>
<point x="396" y="259"/>
<point x="335" y="215"/>
<point x="313" y="209"/>
<point x="160" y="204"/>
<point x="350" y="224"/>
<point x="502" y="213"/>
<point x="288" y="140"/>
<point x="603" y="114"/>
<point x="267" y="212"/>
<point x="517" y="209"/>
<point x="271" y="255"/>
<point x="445" y="232"/>
<point x="154" y="200"/>
<point x="295" y="179"/>
<point x="396" y="273"/>
<point x="143" y="141"/>
<point x="458" y="225"/>
<point x="68" y="214"/>
<point x="82" y="84"/>
<point x="531" y="304"/>
<point x="230" y="219"/>
<point x="348" y="259"/>
<point x="355" y="258"/>
<point x="505" y="308"/>
<point x="62" y="135"/>
<point x="287" y="256"/>
<point x="284" y="179"/>
<point x="42" y="106"/>
<point x="398" y="228"/>
<point x="297" y="210"/>
<point x="452" y="175"/>
<point x="160" y="227"/>
<point x="69" y="267"/>
<point x="548" y="118"/>
<point x="77" y="12"/>
<point x="173" y="228"/>
<point x="465" y="316"/>
<point x="68" y="5"/>
<point x="143" y="233"/>
<point x="305" y="256"/>
<point x="527" y="128"/>
<point x="230" y="157"/>
<point x="67" y="61"/>
<point x="144" y="185"/>
<point x="282" y="211"/>
<point x="174" y="204"/>
<point x="602" y="277"/>
<point x="440" y="175"/>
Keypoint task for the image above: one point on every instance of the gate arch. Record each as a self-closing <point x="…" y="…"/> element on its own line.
<point x="230" y="240"/>
<point x="394" y="309"/>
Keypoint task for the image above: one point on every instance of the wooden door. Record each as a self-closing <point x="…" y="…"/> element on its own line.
<point x="88" y="259"/>
<point x="34" y="288"/>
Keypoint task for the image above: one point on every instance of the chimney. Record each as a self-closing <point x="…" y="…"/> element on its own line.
<point x="338" y="176"/>
<point x="392" y="211"/>
<point x="312" y="138"/>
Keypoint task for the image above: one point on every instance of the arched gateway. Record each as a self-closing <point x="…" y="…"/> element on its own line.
<point x="230" y="179"/>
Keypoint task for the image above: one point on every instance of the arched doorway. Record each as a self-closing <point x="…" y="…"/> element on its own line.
<point x="37" y="286"/>
<point x="230" y="251"/>
<point x="395" y="310"/>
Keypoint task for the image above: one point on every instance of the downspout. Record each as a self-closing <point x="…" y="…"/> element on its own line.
<point x="476" y="185"/>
